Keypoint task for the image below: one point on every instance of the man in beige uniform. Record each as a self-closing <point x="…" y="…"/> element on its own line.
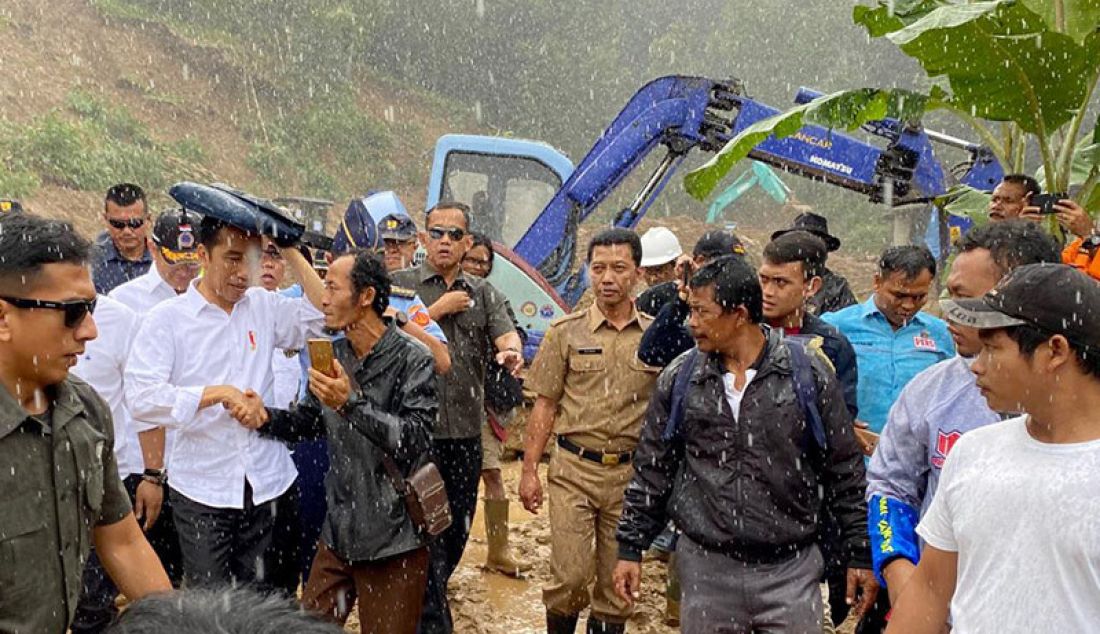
<point x="592" y="392"/>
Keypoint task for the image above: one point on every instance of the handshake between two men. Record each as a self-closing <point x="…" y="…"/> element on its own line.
<point x="247" y="406"/>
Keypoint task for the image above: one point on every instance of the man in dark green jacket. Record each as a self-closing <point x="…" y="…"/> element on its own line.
<point x="59" y="485"/>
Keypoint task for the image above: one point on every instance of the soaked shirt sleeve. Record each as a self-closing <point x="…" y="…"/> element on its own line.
<point x="149" y="395"/>
<point x="296" y="320"/>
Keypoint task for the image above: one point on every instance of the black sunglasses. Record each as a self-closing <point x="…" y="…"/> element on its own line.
<point x="453" y="233"/>
<point x="133" y="223"/>
<point x="75" y="310"/>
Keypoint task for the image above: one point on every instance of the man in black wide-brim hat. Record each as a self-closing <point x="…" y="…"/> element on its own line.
<point x="835" y="292"/>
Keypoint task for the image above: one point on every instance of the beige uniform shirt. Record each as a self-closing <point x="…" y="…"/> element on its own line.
<point x="593" y="373"/>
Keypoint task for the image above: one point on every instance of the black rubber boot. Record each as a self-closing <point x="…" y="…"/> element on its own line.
<point x="560" y="624"/>
<point x="596" y="626"/>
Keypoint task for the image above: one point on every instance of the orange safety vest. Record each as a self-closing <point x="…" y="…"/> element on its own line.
<point x="1082" y="254"/>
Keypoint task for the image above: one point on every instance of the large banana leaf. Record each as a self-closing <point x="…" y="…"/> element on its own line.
<point x="888" y="17"/>
<point x="847" y="109"/>
<point x="1003" y="62"/>
<point x="1081" y="16"/>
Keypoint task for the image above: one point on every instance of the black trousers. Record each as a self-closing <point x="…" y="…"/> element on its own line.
<point x="225" y="546"/>
<point x="459" y="463"/>
<point x="96" y="608"/>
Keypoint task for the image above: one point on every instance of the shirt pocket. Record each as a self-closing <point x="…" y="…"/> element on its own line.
<point x="23" y="538"/>
<point x="587" y="362"/>
<point x="88" y="448"/>
<point x="638" y="365"/>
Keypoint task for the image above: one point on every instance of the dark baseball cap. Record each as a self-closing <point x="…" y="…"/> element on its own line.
<point x="396" y="227"/>
<point x="175" y="233"/>
<point x="716" y="243"/>
<point x="1055" y="298"/>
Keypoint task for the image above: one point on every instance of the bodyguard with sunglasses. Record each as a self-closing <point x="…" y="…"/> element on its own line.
<point x="59" y="485"/>
<point x="470" y="311"/>
<point x="120" y="251"/>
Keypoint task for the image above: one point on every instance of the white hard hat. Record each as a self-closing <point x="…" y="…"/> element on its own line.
<point x="659" y="246"/>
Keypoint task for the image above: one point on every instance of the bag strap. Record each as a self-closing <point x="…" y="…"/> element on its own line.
<point x="802" y="375"/>
<point x="679" y="394"/>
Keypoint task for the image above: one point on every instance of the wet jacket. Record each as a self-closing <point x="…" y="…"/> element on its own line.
<point x="833" y="295"/>
<point x="748" y="488"/>
<point x="668" y="337"/>
<point x="367" y="519"/>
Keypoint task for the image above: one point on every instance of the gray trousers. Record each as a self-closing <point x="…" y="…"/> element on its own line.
<point x="727" y="596"/>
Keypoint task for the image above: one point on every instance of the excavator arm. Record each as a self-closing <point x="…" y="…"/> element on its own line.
<point x="680" y="114"/>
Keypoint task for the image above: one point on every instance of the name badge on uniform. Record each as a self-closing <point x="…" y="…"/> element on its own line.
<point x="924" y="342"/>
<point x="589" y="350"/>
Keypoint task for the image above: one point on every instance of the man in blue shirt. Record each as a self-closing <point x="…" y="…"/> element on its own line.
<point x="121" y="252"/>
<point x="892" y="338"/>
<point x="940" y="404"/>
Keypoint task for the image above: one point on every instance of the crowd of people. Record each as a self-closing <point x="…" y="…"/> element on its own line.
<point x="795" y="454"/>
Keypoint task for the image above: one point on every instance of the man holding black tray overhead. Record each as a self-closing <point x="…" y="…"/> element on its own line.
<point x="199" y="362"/>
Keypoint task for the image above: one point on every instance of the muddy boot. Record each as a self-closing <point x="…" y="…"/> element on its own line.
<point x="496" y="531"/>
<point x="596" y="626"/>
<point x="560" y="624"/>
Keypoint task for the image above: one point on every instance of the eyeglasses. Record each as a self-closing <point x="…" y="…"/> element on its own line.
<point x="133" y="223"/>
<point x="454" y="233"/>
<point x="75" y="310"/>
<point x="478" y="262"/>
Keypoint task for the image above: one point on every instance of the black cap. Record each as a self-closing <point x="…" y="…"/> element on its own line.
<point x="815" y="224"/>
<point x="7" y="205"/>
<point x="396" y="227"/>
<point x="716" y="243"/>
<point x="176" y="233"/>
<point x="1055" y="298"/>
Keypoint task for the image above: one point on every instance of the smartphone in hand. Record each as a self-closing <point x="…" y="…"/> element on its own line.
<point x="321" y="356"/>
<point x="1046" y="202"/>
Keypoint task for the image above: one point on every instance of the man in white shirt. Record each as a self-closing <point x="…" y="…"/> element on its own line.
<point x="196" y="357"/>
<point x="174" y="246"/>
<point x="101" y="366"/>
<point x="1011" y="536"/>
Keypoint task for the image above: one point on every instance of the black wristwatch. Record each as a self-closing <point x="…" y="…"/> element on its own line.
<point x="401" y="319"/>
<point x="155" y="476"/>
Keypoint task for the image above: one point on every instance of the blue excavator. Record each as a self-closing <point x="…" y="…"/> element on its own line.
<point x="530" y="199"/>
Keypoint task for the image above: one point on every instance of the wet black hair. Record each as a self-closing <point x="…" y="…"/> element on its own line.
<point x="1030" y="185"/>
<point x="124" y="195"/>
<point x="369" y="271"/>
<point x="1028" y="338"/>
<point x="735" y="284"/>
<point x="450" y="204"/>
<point x="910" y="260"/>
<point x="209" y="230"/>
<point x="799" y="246"/>
<point x="1012" y="243"/>
<point x="482" y="240"/>
<point x="617" y="235"/>
<point x="29" y="242"/>
<point x="228" y="610"/>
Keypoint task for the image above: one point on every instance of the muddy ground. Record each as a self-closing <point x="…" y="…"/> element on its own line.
<point x="490" y="603"/>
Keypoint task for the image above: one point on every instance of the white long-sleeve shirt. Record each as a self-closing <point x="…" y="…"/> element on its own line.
<point x="144" y="292"/>
<point x="102" y="365"/>
<point x="187" y="344"/>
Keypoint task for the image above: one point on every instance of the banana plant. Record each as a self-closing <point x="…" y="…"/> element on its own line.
<point x="1031" y="65"/>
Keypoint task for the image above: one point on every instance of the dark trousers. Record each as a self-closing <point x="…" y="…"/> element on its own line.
<point x="224" y="546"/>
<point x="96" y="608"/>
<point x="390" y="591"/>
<point x="459" y="463"/>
